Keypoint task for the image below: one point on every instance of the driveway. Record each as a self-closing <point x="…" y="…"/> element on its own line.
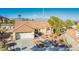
<point x="24" y="44"/>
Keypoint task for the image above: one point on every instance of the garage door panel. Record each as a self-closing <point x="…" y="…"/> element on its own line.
<point x="25" y="35"/>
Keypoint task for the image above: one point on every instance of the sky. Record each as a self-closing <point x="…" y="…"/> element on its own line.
<point x="45" y="13"/>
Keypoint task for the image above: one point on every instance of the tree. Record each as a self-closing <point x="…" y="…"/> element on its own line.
<point x="55" y="23"/>
<point x="6" y="21"/>
<point x="11" y="21"/>
<point x="69" y="23"/>
<point x="2" y="46"/>
<point x="77" y="25"/>
<point x="32" y="19"/>
<point x="19" y="16"/>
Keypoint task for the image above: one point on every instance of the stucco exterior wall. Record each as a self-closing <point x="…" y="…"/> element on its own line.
<point x="44" y="30"/>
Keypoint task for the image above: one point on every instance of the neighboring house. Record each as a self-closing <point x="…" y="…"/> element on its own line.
<point x="3" y="19"/>
<point x="6" y="26"/>
<point x="27" y="29"/>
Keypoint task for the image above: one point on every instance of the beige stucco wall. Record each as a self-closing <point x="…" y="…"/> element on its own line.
<point x="45" y="31"/>
<point x="14" y="36"/>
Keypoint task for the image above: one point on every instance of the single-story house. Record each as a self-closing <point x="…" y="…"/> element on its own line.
<point x="27" y="29"/>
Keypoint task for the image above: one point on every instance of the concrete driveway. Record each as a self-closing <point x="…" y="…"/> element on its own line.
<point x="24" y="44"/>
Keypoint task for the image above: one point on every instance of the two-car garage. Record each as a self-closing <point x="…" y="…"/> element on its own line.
<point x="25" y="35"/>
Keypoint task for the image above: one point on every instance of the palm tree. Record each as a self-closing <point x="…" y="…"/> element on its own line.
<point x="19" y="16"/>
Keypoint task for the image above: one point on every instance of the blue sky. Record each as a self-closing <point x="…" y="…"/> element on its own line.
<point x="62" y="13"/>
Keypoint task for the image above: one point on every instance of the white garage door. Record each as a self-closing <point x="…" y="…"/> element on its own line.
<point x="24" y="35"/>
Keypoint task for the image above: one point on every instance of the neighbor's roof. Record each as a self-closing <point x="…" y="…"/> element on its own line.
<point x="27" y="26"/>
